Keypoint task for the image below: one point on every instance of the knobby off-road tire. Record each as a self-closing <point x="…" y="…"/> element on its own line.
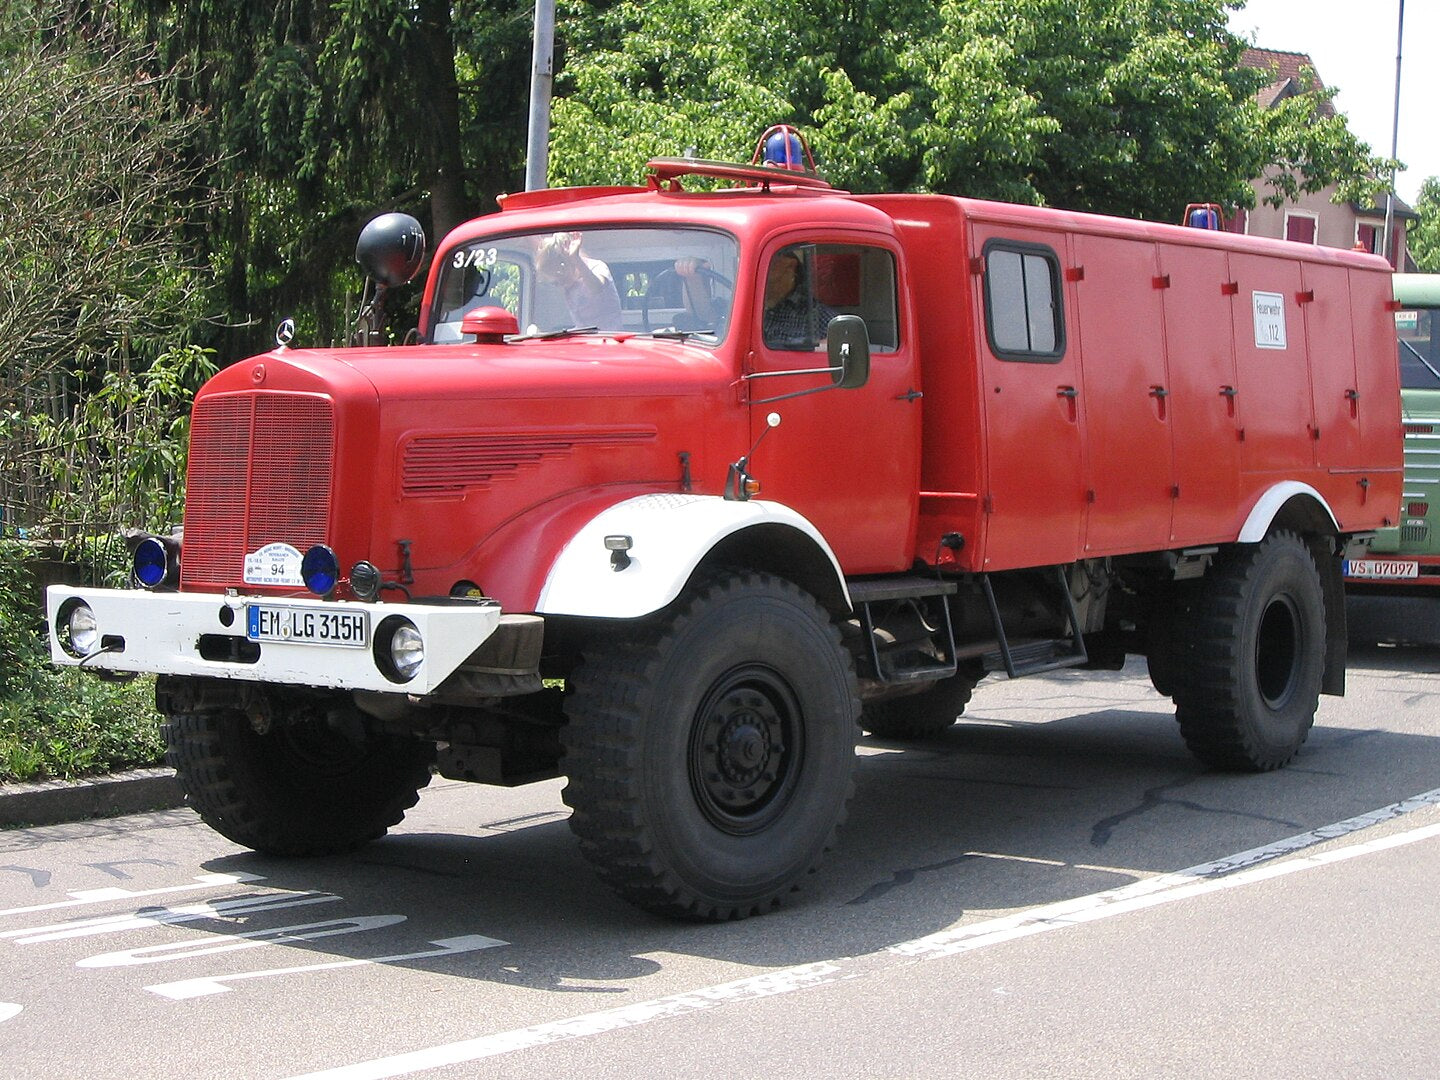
<point x="923" y="715"/>
<point x="711" y="752"/>
<point x="301" y="789"/>
<point x="1249" y="684"/>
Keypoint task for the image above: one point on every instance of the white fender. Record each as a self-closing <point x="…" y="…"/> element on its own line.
<point x="670" y="534"/>
<point x="1264" y="511"/>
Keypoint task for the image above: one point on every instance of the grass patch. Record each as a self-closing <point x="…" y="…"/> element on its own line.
<point x="76" y="725"/>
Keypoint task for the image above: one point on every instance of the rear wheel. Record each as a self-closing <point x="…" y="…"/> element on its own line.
<point x="926" y="714"/>
<point x="302" y="788"/>
<point x="1249" y="686"/>
<point x="710" y="753"/>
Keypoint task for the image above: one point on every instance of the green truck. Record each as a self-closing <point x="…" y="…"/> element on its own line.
<point x="1406" y="557"/>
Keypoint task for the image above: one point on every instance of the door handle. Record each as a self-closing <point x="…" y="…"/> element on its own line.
<point x="1069" y="394"/>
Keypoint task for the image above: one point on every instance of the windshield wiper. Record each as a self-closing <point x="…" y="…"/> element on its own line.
<point x="680" y="335"/>
<point x="550" y="335"/>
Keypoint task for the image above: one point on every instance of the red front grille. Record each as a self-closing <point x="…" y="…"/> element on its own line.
<point x="259" y="473"/>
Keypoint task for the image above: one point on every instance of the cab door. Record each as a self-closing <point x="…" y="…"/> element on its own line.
<point x="848" y="460"/>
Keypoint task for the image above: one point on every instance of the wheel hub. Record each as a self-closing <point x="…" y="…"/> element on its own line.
<point x="741" y="757"/>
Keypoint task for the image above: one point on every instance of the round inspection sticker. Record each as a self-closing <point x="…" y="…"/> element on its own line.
<point x="273" y="564"/>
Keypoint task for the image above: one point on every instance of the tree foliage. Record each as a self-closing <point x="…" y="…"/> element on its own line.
<point x="1132" y="107"/>
<point x="1424" y="236"/>
<point x="327" y="112"/>
<point x="100" y="285"/>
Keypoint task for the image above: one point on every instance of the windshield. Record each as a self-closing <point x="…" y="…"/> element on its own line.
<point x="674" y="279"/>
<point x="1419" y="332"/>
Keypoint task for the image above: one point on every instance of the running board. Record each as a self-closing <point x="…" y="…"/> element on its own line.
<point x="1033" y="657"/>
<point x="888" y="590"/>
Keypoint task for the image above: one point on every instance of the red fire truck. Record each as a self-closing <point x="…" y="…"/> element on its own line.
<point x="680" y="486"/>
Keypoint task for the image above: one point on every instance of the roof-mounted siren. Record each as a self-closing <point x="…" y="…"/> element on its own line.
<point x="782" y="147"/>
<point x="1203" y="215"/>
<point x="782" y="158"/>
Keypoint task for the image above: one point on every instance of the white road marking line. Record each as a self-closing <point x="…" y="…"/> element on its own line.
<point x="947" y="942"/>
<point x="99" y="896"/>
<point x="577" y="1027"/>
<point x="191" y="988"/>
<point x="1232" y="871"/>
<point x="7" y="1011"/>
<point x="252" y="939"/>
<point x="165" y="916"/>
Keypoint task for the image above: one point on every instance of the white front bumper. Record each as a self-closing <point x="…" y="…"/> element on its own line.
<point x="160" y="634"/>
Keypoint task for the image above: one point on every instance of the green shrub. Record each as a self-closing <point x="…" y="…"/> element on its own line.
<point x="62" y="723"/>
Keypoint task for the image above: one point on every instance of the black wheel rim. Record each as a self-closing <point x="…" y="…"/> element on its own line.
<point x="746" y="745"/>
<point x="1277" y="652"/>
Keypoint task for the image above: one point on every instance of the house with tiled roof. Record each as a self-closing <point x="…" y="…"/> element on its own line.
<point x="1315" y="219"/>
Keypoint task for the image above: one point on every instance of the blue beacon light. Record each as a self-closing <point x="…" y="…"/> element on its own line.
<point x="320" y="570"/>
<point x="150" y="563"/>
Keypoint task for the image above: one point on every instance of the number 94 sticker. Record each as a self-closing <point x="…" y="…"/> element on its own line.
<point x="273" y="564"/>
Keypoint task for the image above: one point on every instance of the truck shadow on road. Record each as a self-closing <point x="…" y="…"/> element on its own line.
<point x="1066" y="786"/>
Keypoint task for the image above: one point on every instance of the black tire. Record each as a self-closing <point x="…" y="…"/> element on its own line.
<point x="301" y="789"/>
<point x="711" y="752"/>
<point x="1248" y="690"/>
<point x="923" y="715"/>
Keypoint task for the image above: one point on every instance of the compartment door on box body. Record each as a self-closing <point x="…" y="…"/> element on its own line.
<point x="1377" y="378"/>
<point x="1206" y="409"/>
<point x="1273" y="376"/>
<point x="1033" y="494"/>
<point x="1330" y="333"/>
<point x="1129" y="480"/>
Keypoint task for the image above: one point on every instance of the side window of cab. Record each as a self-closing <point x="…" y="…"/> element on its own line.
<point x="807" y="285"/>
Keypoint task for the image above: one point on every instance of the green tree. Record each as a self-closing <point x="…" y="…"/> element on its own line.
<point x="325" y="113"/>
<point x="98" y="195"/>
<point x="1132" y="107"/>
<point x="1424" y="235"/>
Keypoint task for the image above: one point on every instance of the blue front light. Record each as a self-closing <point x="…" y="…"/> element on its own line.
<point x="320" y="570"/>
<point x="151" y="563"/>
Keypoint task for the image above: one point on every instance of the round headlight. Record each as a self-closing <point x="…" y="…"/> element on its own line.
<point x="150" y="563"/>
<point x="320" y="570"/>
<point x="399" y="649"/>
<point x="407" y="651"/>
<point x="77" y="629"/>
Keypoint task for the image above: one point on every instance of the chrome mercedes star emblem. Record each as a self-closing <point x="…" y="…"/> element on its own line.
<point x="285" y="333"/>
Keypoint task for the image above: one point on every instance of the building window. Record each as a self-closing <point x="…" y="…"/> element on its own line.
<point x="1301" y="227"/>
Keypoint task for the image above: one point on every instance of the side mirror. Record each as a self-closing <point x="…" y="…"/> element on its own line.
<point x="848" y="343"/>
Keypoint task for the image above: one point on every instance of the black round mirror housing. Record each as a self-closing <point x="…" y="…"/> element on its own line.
<point x="391" y="249"/>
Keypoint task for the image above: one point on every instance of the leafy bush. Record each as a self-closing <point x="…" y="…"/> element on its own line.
<point x="62" y="723"/>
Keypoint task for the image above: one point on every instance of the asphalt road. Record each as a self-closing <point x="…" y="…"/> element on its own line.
<point x="1054" y="888"/>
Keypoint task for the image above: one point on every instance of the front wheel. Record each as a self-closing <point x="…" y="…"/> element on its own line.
<point x="302" y="788"/>
<point x="1248" y="690"/>
<point x="710" y="753"/>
